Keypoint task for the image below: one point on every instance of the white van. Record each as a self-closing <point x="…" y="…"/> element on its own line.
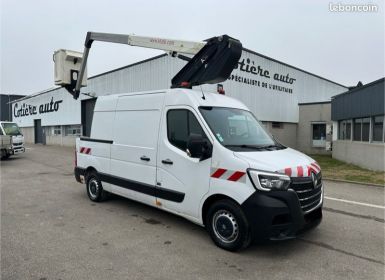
<point x="12" y="129"/>
<point x="204" y="157"/>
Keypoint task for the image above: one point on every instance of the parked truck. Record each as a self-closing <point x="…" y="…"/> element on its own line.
<point x="5" y="145"/>
<point x="12" y="130"/>
<point x="200" y="155"/>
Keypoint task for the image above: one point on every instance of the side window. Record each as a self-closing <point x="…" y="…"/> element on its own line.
<point x="180" y="124"/>
<point x="1" y="131"/>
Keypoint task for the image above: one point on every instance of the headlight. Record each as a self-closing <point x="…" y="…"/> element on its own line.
<point x="266" y="181"/>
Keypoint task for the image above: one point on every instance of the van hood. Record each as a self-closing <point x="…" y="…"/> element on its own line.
<point x="286" y="161"/>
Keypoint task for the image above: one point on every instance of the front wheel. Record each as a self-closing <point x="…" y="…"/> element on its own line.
<point x="228" y="226"/>
<point x="94" y="187"/>
<point x="6" y="156"/>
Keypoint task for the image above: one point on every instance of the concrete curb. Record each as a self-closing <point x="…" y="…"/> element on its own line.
<point x="353" y="182"/>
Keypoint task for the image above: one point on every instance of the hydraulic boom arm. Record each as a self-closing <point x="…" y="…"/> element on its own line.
<point x="174" y="46"/>
<point x="212" y="62"/>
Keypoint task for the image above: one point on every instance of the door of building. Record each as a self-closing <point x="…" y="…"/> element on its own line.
<point x="87" y="109"/>
<point x="38" y="132"/>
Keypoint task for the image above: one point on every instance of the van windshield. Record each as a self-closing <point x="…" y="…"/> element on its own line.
<point x="11" y="129"/>
<point x="238" y="130"/>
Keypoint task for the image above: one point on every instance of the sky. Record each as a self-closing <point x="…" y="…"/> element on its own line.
<point x="341" y="46"/>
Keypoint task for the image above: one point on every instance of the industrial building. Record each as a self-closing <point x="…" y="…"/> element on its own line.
<point x="6" y="106"/>
<point x="277" y="93"/>
<point x="358" y="117"/>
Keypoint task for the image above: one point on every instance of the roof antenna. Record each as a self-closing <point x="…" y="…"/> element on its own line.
<point x="203" y="95"/>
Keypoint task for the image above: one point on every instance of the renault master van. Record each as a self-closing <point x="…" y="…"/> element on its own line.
<point x="202" y="156"/>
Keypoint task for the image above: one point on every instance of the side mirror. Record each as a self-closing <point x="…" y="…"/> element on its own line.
<point x="198" y="147"/>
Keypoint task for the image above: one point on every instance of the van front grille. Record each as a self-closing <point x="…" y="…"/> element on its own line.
<point x="309" y="196"/>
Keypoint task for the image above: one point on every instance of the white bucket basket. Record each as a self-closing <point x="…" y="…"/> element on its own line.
<point x="67" y="66"/>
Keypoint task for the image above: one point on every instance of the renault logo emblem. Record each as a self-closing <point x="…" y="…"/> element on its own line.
<point x="314" y="179"/>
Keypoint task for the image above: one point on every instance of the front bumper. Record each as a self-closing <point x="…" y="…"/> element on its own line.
<point x="18" y="150"/>
<point x="277" y="215"/>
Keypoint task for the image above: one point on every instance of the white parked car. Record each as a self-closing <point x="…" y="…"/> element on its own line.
<point x="203" y="157"/>
<point x="12" y="129"/>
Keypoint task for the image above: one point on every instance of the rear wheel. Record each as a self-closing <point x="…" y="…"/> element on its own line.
<point x="228" y="226"/>
<point x="94" y="187"/>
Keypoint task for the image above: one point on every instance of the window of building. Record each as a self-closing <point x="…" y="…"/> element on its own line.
<point x="365" y="129"/>
<point x="348" y="130"/>
<point x="357" y="126"/>
<point x="345" y="130"/>
<point x="73" y="130"/>
<point x="180" y="124"/>
<point x="277" y="125"/>
<point x="319" y="134"/>
<point x="361" y="129"/>
<point x="56" y="130"/>
<point x="378" y="128"/>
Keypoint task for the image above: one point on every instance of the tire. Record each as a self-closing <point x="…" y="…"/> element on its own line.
<point x="94" y="187"/>
<point x="228" y="225"/>
<point x="6" y="156"/>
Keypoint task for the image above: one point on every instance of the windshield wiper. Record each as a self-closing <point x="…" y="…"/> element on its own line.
<point x="279" y="146"/>
<point x="256" y="147"/>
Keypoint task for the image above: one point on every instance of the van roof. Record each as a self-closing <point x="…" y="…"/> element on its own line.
<point x="179" y="96"/>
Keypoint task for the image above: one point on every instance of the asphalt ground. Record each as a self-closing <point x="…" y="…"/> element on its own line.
<point x="51" y="230"/>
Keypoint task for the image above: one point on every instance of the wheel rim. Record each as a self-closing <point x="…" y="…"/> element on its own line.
<point x="225" y="226"/>
<point x="93" y="188"/>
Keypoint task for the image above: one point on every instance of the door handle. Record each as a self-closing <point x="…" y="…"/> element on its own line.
<point x="145" y="158"/>
<point x="167" y="161"/>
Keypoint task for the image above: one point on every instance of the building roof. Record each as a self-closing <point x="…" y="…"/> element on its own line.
<point x="360" y="102"/>
<point x="35" y="94"/>
<point x="314" y="103"/>
<point x="357" y="88"/>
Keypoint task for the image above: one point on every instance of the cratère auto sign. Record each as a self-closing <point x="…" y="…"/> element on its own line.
<point x="27" y="110"/>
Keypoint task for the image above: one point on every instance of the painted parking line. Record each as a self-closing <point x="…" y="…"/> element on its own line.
<point x="355" y="202"/>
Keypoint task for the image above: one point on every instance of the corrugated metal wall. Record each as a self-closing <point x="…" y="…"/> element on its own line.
<point x="257" y="92"/>
<point x="254" y="82"/>
<point x="6" y="106"/>
<point x="360" y="102"/>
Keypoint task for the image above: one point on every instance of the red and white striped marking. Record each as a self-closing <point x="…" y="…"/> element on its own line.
<point x="229" y="175"/>
<point x="302" y="170"/>
<point x="84" y="150"/>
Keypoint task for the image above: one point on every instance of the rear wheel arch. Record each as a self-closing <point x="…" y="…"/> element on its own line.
<point x="89" y="170"/>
